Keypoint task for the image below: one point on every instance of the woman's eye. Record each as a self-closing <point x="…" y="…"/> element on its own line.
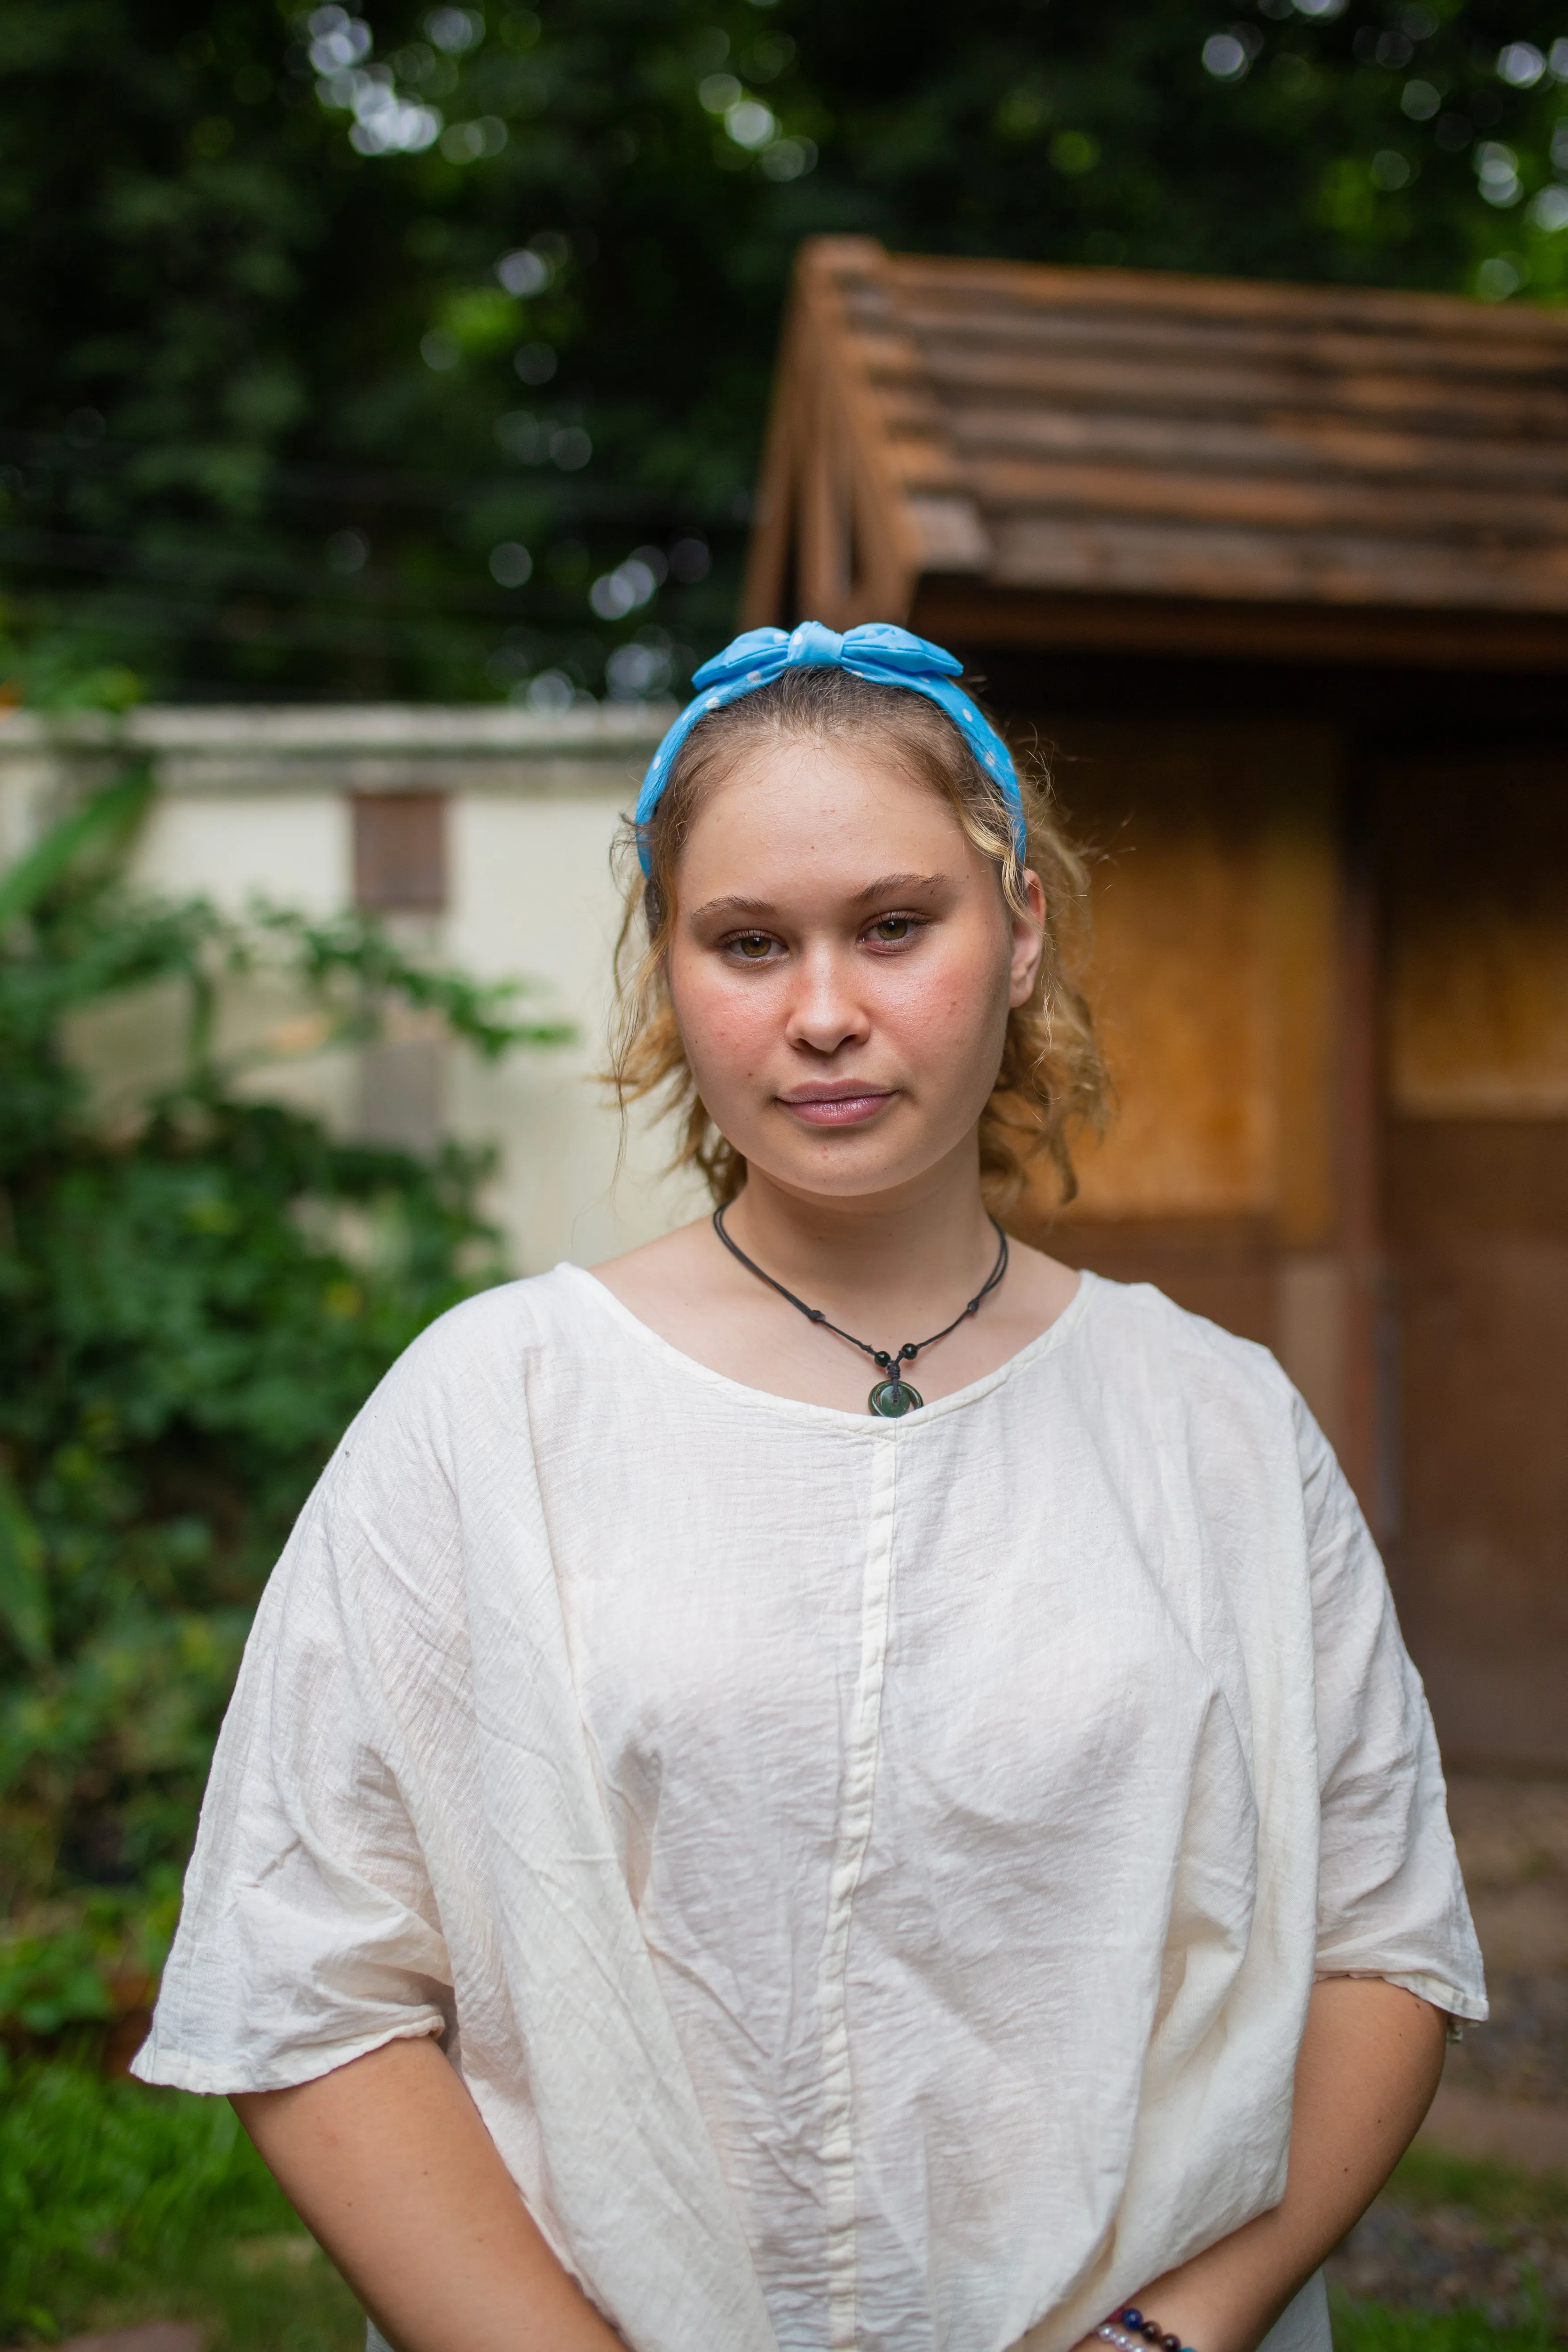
<point x="891" y="929"/>
<point x="751" y="946"/>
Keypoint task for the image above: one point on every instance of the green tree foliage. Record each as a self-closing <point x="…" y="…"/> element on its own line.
<point x="423" y="349"/>
<point x="196" y="1293"/>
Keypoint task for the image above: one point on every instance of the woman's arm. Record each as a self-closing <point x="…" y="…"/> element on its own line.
<point x="389" y="2163"/>
<point x="1370" y="2058"/>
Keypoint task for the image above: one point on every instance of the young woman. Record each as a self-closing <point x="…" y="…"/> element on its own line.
<point x="832" y="1783"/>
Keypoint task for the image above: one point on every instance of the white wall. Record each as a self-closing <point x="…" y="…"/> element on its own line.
<point x="291" y="846"/>
<point x="532" y="893"/>
<point x="260" y="801"/>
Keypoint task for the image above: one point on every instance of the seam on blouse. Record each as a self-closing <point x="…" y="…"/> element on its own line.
<point x="1447" y="1999"/>
<point x="853" y="1836"/>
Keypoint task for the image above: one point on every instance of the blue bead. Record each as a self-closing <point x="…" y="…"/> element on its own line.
<point x="1131" y="2319"/>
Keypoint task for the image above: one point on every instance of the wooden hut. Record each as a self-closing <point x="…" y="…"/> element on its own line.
<point x="1281" y="575"/>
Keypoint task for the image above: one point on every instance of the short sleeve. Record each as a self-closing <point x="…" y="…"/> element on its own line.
<point x="1391" y="1902"/>
<point x="308" y="1935"/>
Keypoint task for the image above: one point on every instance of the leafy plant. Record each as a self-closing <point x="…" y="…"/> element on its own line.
<point x="197" y="1288"/>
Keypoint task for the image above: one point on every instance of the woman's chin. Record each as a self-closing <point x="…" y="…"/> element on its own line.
<point x="855" y="1163"/>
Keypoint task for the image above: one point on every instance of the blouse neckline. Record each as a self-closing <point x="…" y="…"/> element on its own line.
<point x="834" y="1416"/>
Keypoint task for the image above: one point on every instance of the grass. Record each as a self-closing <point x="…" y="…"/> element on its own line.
<point x="1428" y="2177"/>
<point x="120" y="2204"/>
<point x="1377" y="2327"/>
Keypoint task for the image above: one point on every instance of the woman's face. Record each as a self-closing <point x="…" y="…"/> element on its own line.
<point x="842" y="966"/>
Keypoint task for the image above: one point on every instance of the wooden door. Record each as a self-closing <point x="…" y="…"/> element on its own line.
<point x="1215" y="976"/>
<point x="1335" y="1001"/>
<point x="1474" y="858"/>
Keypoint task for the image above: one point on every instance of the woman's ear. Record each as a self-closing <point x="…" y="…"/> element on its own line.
<point x="1028" y="940"/>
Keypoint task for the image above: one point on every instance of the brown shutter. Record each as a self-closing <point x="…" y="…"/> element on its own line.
<point x="400" y="851"/>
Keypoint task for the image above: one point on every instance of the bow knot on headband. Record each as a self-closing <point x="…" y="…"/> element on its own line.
<point x="877" y="651"/>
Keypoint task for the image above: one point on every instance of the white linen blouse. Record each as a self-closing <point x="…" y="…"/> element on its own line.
<point x="868" y="1873"/>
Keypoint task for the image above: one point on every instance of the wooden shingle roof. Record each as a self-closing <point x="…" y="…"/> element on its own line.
<point x="1002" y="452"/>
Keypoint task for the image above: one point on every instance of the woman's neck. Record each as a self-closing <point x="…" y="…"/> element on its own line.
<point x="920" y="1250"/>
<point x="887" y="1268"/>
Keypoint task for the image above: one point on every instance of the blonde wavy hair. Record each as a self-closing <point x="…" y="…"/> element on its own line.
<point x="1052" y="1080"/>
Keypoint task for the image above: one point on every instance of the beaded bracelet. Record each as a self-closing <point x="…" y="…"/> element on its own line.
<point x="1128" y="2331"/>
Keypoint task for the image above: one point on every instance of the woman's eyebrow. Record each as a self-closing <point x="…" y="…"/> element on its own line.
<point x="886" y="885"/>
<point x="755" y="907"/>
<point x="893" y="886"/>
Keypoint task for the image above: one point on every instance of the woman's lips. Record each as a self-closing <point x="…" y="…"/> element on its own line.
<point x="837" y="1109"/>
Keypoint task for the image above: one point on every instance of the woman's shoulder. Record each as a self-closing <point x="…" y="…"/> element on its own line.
<point x="1144" y="1330"/>
<point x="472" y="1361"/>
<point x="511" y="1324"/>
<point x="1164" y="1369"/>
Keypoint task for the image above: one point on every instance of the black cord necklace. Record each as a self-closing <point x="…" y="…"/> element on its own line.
<point x="893" y="1396"/>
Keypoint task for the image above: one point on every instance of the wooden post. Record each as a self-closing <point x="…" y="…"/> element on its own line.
<point x="1303" y="891"/>
<point x="1365" y="1445"/>
<point x="1321" y="889"/>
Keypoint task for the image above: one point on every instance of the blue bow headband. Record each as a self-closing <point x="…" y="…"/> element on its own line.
<point x="878" y="651"/>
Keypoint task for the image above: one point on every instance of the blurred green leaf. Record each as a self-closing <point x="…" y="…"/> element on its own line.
<point x="24" y="1595"/>
<point x="102" y="821"/>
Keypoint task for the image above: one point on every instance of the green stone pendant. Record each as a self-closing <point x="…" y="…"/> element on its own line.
<point x="893" y="1399"/>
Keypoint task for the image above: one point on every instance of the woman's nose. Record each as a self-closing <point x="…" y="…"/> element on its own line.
<point x="826" y="1011"/>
